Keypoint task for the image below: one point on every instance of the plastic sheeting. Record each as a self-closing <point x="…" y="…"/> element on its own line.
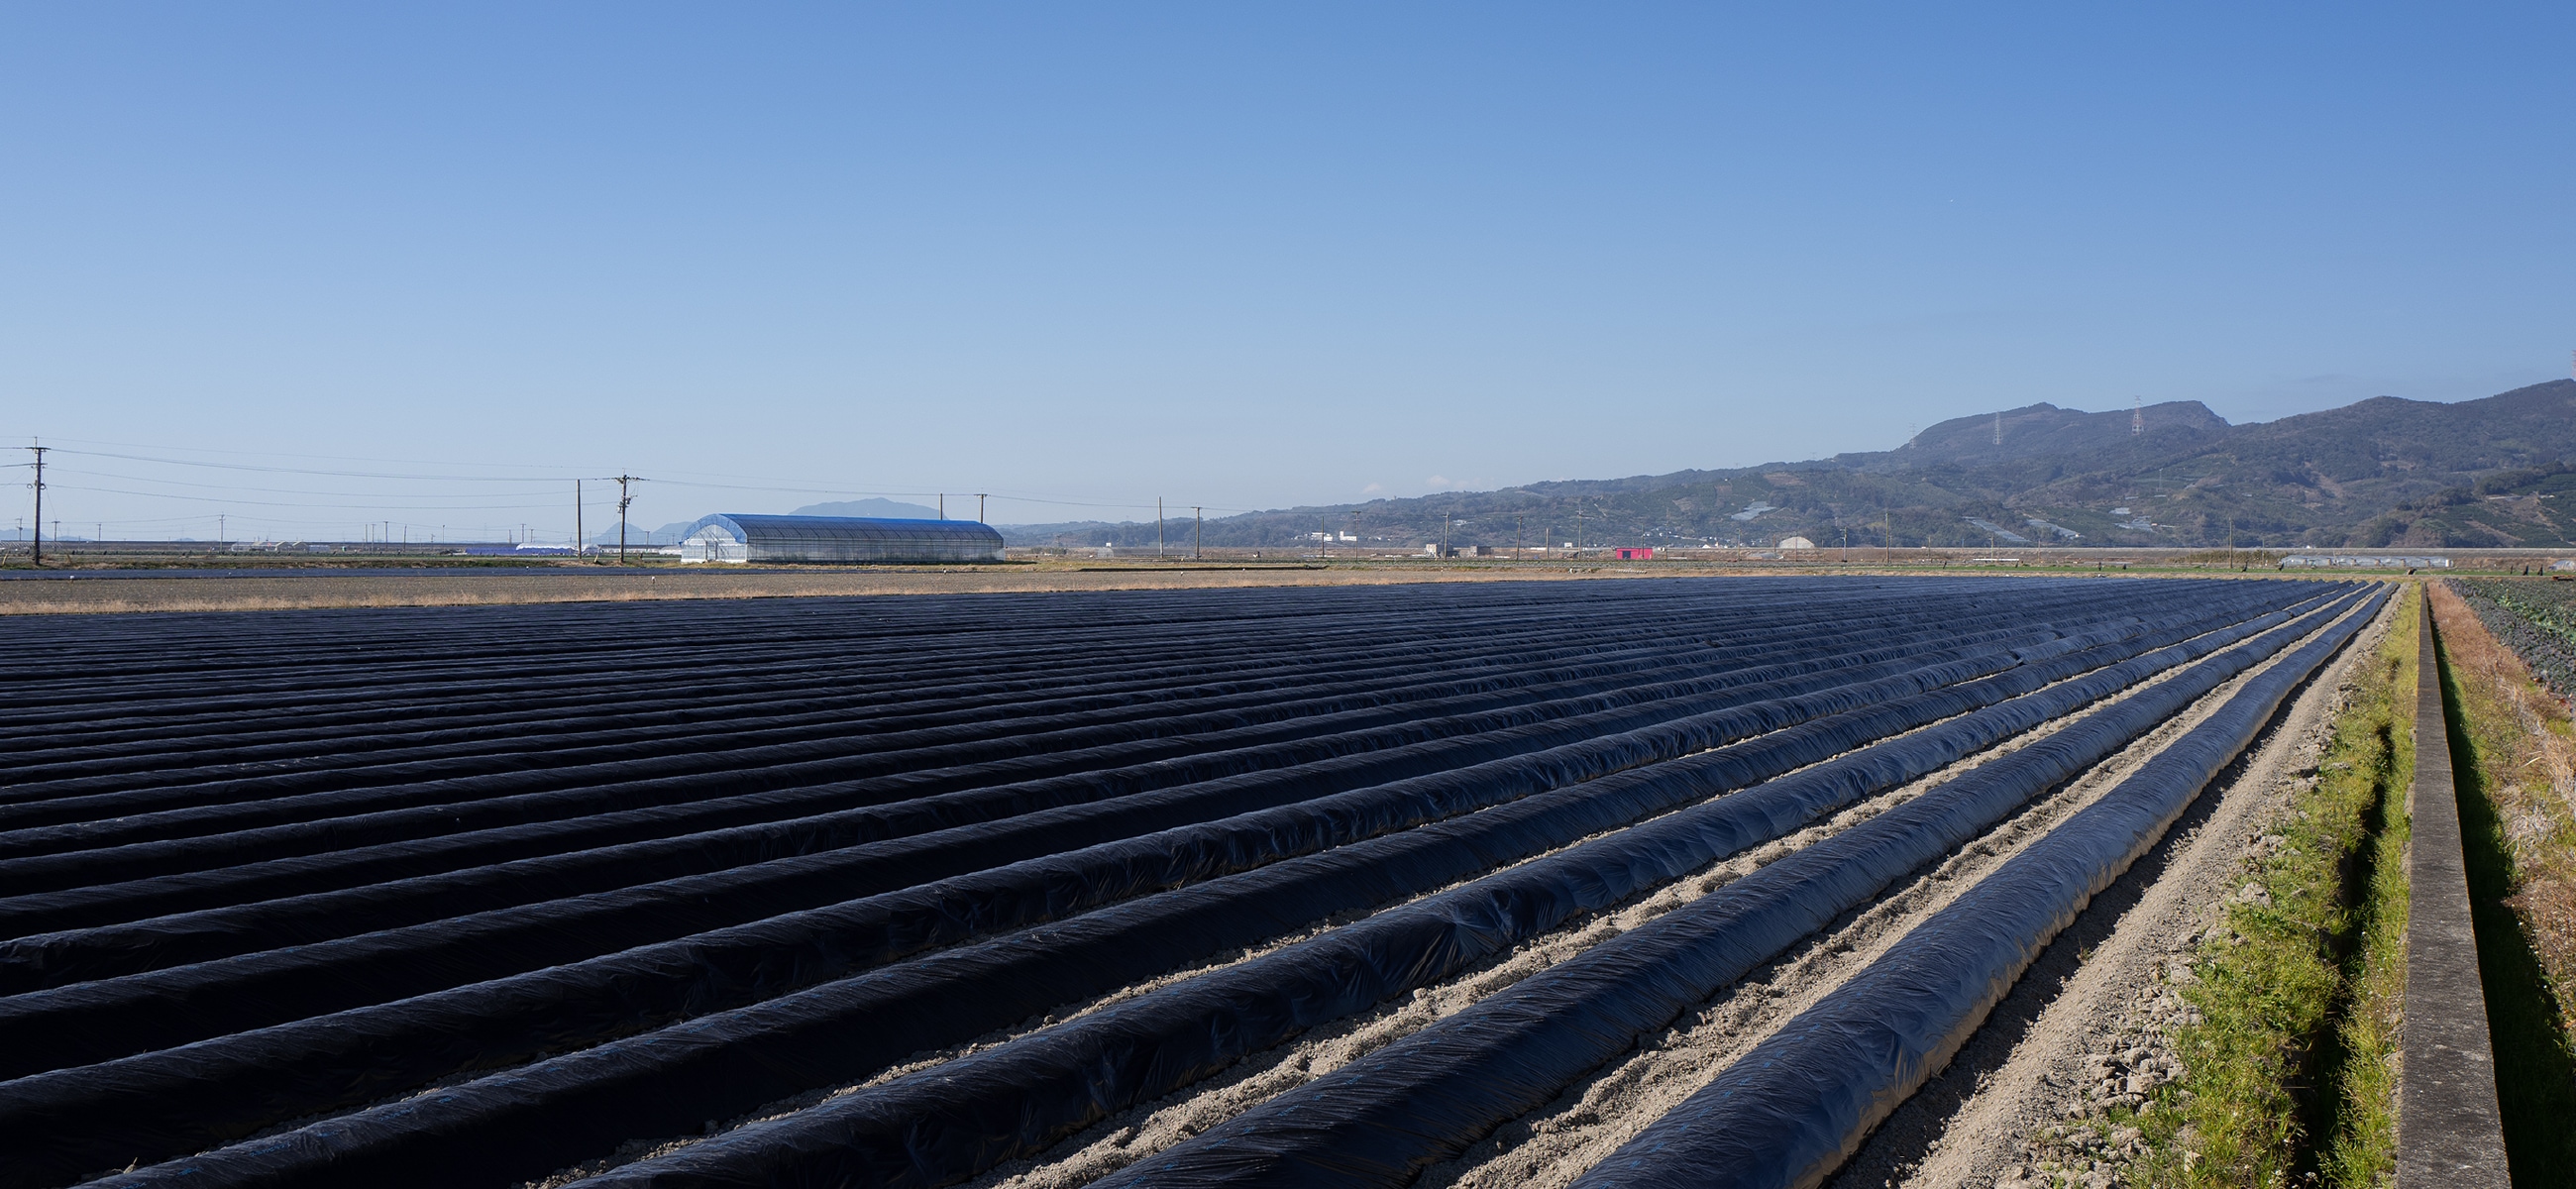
<point x="1789" y="1112"/>
<point x="305" y="812"/>
<point x="233" y="1082"/>
<point x="1007" y="1101"/>
<point x="2040" y="623"/>
<point x="1237" y="777"/>
<point x="1380" y="1120"/>
<point x="133" y="1013"/>
<point x="840" y="539"/>
<point x="617" y="702"/>
<point x="496" y="825"/>
<point x="284" y="984"/>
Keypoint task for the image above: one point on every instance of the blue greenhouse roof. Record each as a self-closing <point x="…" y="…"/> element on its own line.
<point x="755" y="529"/>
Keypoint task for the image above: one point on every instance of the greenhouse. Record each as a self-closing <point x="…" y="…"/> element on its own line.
<point x="743" y="538"/>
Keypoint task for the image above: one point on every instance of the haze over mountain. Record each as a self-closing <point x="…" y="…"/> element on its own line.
<point x="2382" y="472"/>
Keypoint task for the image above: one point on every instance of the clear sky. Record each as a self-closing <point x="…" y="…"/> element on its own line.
<point x="1235" y="255"/>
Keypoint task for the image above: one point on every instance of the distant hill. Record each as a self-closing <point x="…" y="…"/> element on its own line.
<point x="637" y="534"/>
<point x="2380" y="473"/>
<point x="883" y="509"/>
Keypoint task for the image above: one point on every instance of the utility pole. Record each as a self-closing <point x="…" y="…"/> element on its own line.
<point x="623" y="499"/>
<point x="37" y="541"/>
<point x="979" y="507"/>
<point x="943" y="505"/>
<point x="1158" y="526"/>
<point x="576" y="520"/>
<point x="1517" y="518"/>
<point x="1198" y="526"/>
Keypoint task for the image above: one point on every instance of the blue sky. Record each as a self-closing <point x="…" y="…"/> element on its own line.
<point x="1234" y="255"/>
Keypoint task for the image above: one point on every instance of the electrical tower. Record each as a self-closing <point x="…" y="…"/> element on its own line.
<point x="2137" y="415"/>
<point x="1999" y="428"/>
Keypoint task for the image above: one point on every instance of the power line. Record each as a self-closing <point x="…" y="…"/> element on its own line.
<point x="163" y="495"/>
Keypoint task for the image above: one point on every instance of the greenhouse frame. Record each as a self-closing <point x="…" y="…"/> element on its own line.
<point x="743" y="538"/>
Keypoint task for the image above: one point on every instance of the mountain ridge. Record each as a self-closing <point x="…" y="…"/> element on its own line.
<point x="2490" y="472"/>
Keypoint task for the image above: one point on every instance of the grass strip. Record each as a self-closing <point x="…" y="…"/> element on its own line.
<point x="2290" y="1057"/>
<point x="2509" y="745"/>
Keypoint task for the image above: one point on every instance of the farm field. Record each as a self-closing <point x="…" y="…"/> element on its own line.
<point x="1596" y="883"/>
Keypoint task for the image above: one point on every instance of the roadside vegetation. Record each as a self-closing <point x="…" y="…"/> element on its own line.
<point x="2515" y="762"/>
<point x="2290" y="1066"/>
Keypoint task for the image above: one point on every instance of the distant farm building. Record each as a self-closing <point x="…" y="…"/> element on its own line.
<point x="1796" y="543"/>
<point x="845" y="539"/>
<point x="1637" y="554"/>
